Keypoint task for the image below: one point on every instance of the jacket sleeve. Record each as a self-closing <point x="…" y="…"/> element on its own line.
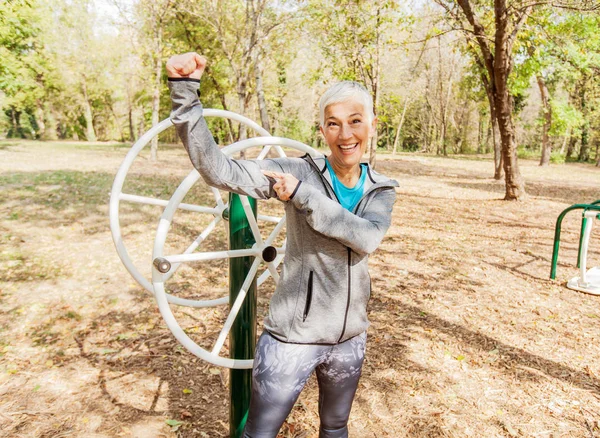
<point x="244" y="177"/>
<point x="363" y="234"/>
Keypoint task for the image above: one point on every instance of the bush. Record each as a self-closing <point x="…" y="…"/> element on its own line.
<point x="526" y="154"/>
<point x="557" y="158"/>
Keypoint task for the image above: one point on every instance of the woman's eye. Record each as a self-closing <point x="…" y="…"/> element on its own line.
<point x="331" y="124"/>
<point x="356" y="121"/>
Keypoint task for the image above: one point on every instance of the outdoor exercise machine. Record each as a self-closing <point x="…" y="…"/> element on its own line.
<point x="588" y="281"/>
<point x="247" y="252"/>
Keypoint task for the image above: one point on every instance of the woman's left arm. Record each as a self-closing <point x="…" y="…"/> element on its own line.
<point x="362" y="234"/>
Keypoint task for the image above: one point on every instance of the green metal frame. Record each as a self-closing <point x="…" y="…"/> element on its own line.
<point x="242" y="337"/>
<point x="585" y="207"/>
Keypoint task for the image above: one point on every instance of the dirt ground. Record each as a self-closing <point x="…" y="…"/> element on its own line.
<point x="469" y="337"/>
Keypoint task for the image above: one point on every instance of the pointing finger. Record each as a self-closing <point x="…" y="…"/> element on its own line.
<point x="272" y="174"/>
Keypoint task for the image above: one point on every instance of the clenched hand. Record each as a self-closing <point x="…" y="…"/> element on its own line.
<point x="188" y="65"/>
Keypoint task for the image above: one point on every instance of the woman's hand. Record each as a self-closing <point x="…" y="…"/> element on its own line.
<point x="188" y="65"/>
<point x="285" y="184"/>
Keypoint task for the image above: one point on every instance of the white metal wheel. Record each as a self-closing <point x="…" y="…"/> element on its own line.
<point x="117" y="195"/>
<point x="163" y="264"/>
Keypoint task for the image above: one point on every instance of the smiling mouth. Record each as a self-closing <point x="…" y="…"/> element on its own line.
<point x="348" y="147"/>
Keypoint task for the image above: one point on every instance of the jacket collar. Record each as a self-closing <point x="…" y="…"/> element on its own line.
<point x="373" y="178"/>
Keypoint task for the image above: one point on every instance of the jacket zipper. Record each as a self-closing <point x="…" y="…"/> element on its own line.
<point x="323" y="179"/>
<point x="349" y="293"/>
<point x="308" y="296"/>
<point x="367" y="194"/>
<point x="347" y="248"/>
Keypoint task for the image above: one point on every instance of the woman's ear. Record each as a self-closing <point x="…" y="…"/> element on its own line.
<point x="373" y="127"/>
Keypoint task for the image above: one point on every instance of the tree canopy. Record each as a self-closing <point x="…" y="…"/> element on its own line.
<point x="504" y="77"/>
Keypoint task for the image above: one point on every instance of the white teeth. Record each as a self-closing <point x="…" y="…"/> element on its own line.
<point x="347" y="147"/>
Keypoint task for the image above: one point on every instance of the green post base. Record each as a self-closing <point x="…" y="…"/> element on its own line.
<point x="242" y="337"/>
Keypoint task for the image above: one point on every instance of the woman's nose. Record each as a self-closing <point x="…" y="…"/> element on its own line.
<point x="345" y="131"/>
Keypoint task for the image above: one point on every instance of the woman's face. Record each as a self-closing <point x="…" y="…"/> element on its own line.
<point x="347" y="132"/>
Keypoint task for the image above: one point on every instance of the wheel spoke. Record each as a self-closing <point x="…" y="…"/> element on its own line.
<point x="163" y="203"/>
<point x="218" y="197"/>
<point x="215" y="255"/>
<point x="273" y="270"/>
<point x="275" y="231"/>
<point x="236" y="307"/>
<point x="267" y="148"/>
<point x="280" y="151"/>
<point x="251" y="219"/>
<point x="194" y="245"/>
<point x="266" y="274"/>
<point x="264" y="217"/>
<point x="264" y="152"/>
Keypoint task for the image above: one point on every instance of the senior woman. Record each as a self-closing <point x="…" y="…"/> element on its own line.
<point x="338" y="211"/>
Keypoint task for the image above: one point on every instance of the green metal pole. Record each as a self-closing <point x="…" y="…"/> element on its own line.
<point x="557" y="230"/>
<point x="242" y="337"/>
<point x="583" y="224"/>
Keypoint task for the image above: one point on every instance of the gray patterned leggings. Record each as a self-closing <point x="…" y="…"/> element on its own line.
<point x="280" y="372"/>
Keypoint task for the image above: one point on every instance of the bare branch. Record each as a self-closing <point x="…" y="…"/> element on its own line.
<point x="518" y="25"/>
<point x="479" y="31"/>
<point x="579" y="5"/>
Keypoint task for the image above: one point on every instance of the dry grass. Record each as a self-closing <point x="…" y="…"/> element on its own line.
<point x="469" y="337"/>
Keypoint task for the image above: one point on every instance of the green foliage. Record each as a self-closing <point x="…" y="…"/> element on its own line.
<point x="19" y="47"/>
<point x="293" y="127"/>
<point x="557" y="158"/>
<point x="566" y="119"/>
<point x="527" y="154"/>
<point x="347" y="33"/>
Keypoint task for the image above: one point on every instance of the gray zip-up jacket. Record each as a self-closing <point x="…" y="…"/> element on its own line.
<point x="324" y="285"/>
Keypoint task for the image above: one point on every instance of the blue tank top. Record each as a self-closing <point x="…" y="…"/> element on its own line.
<point x="348" y="197"/>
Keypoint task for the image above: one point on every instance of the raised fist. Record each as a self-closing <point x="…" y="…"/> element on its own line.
<point x="188" y="65"/>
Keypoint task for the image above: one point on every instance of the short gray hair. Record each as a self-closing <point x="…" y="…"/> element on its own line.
<point x="344" y="91"/>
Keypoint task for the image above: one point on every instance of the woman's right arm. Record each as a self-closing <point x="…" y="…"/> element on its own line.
<point x="244" y="177"/>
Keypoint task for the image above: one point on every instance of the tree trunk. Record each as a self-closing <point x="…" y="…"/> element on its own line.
<point x="571" y="148"/>
<point x="584" y="149"/>
<point x="546" y="145"/>
<point x="565" y="140"/>
<point x="465" y="124"/>
<point x="51" y="131"/>
<point x="156" y="91"/>
<point x="515" y="187"/>
<point x="399" y="130"/>
<point x="488" y="135"/>
<point x="16" y="130"/>
<point x="130" y="121"/>
<point x="498" y="160"/>
<point x="90" y="134"/>
<point x="241" y="92"/>
<point x="260" y="97"/>
<point x="431" y="136"/>
<point x="243" y="100"/>
<point x="376" y="91"/>
<point x="40" y="120"/>
<point x="480" y="135"/>
<point x="498" y="157"/>
<point x="131" y="125"/>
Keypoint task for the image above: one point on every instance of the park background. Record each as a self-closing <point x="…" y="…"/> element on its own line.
<point x="476" y="107"/>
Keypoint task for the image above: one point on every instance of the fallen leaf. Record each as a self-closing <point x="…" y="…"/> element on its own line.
<point x="186" y="414"/>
